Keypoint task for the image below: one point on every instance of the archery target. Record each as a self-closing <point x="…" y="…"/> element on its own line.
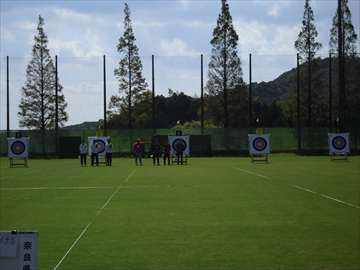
<point x="101" y="141"/>
<point x="18" y="147"/>
<point x="339" y="143"/>
<point x="173" y="140"/>
<point x="259" y="144"/>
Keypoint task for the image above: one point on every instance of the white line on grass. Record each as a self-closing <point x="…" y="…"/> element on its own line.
<point x="52" y="188"/>
<point x="253" y="173"/>
<point x="308" y="190"/>
<point x="104" y="187"/>
<point x="340" y="201"/>
<point x="92" y="220"/>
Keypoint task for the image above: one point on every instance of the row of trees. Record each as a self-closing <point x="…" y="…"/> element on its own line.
<point x="226" y="100"/>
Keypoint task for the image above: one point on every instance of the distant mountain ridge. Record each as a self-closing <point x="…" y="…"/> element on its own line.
<point x="278" y="88"/>
<point x="85" y="125"/>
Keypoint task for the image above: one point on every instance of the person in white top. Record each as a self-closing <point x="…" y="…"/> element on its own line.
<point x="94" y="153"/>
<point x="108" y="148"/>
<point x="83" y="150"/>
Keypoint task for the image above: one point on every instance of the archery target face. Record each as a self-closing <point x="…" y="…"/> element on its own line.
<point x="338" y="142"/>
<point x="18" y="148"/>
<point x="101" y="141"/>
<point x="101" y="145"/>
<point x="259" y="144"/>
<point x="175" y="143"/>
<point x="173" y="140"/>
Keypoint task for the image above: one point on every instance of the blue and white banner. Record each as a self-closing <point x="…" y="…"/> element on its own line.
<point x="339" y="143"/>
<point x="19" y="251"/>
<point x="259" y="144"/>
<point x="184" y="140"/>
<point x="18" y="147"/>
<point x="101" y="141"/>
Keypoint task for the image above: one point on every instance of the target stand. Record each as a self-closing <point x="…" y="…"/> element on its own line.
<point x="339" y="156"/>
<point x="102" y="160"/>
<point x="18" y="162"/>
<point x="259" y="158"/>
<point x="174" y="159"/>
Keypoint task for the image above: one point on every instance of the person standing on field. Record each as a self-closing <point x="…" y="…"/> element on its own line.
<point x="109" y="148"/>
<point x="179" y="152"/>
<point x="156" y="152"/>
<point x="94" y="153"/>
<point x="138" y="148"/>
<point x="83" y="150"/>
<point x="166" y="150"/>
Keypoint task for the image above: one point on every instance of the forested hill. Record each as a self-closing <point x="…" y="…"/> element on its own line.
<point x="85" y="125"/>
<point x="278" y="88"/>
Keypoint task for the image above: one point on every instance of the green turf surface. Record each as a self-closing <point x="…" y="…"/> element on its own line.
<point x="214" y="213"/>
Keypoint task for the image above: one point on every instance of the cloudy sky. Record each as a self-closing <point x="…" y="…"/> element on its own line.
<point x="176" y="32"/>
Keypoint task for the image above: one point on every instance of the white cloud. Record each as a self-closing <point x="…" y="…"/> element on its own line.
<point x="70" y="15"/>
<point x="89" y="45"/>
<point x="176" y="47"/>
<point x="25" y="25"/>
<point x="267" y="39"/>
<point x="8" y="36"/>
<point x="277" y="8"/>
<point x="184" y="3"/>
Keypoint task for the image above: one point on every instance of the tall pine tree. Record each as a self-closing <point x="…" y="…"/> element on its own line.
<point x="313" y="105"/>
<point x="226" y="98"/>
<point x="134" y="107"/>
<point x="38" y="97"/>
<point x="351" y="64"/>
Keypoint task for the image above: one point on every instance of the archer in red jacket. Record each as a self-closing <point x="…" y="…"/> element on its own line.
<point x="138" y="148"/>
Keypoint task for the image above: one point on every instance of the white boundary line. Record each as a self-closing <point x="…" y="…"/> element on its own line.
<point x="103" y="187"/>
<point x="53" y="188"/>
<point x="331" y="198"/>
<point x="307" y="190"/>
<point x="92" y="220"/>
<point x="252" y="173"/>
<point x="340" y="201"/>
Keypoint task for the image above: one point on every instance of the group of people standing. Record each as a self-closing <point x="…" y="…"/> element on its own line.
<point x="95" y="153"/>
<point x="156" y="150"/>
<point x="166" y="152"/>
<point x="138" y="149"/>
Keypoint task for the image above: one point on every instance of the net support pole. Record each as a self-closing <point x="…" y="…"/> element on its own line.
<point x="202" y="93"/>
<point x="153" y="92"/>
<point x="330" y="94"/>
<point x="298" y="100"/>
<point x="341" y="66"/>
<point x="104" y="79"/>
<point x="7" y="98"/>
<point x="250" y="94"/>
<point x="56" y="107"/>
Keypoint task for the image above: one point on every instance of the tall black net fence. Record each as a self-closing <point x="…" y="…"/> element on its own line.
<point x="89" y="83"/>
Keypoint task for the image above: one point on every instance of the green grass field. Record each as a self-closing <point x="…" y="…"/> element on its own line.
<point x="214" y="213"/>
